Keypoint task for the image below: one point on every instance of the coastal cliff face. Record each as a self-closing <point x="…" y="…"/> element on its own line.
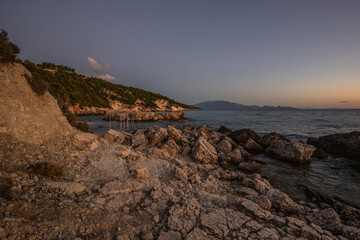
<point x="160" y="105"/>
<point x="24" y="114"/>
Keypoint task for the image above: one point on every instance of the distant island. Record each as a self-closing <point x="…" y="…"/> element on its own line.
<point x="230" y="106"/>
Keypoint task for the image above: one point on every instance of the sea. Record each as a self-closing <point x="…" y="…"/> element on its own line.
<point x="334" y="177"/>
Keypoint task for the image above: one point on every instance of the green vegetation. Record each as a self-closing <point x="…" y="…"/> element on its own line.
<point x="53" y="66"/>
<point x="8" y="50"/>
<point x="72" y="119"/>
<point x="47" y="170"/>
<point x="83" y="126"/>
<point x="5" y="187"/>
<point x="37" y="84"/>
<point x="70" y="88"/>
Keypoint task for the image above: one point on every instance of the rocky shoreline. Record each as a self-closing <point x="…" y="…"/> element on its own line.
<point x="142" y="116"/>
<point x="160" y="183"/>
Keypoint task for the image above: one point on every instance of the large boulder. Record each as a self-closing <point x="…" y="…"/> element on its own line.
<point x="203" y="131"/>
<point x="139" y="139"/>
<point x="204" y="152"/>
<point x="320" y="154"/>
<point x="116" y="136"/>
<point x="243" y="135"/>
<point x="343" y="145"/>
<point x="267" y="139"/>
<point x="235" y="156"/>
<point x="167" y="150"/>
<point x="176" y="134"/>
<point x="157" y="135"/>
<point x="190" y="130"/>
<point x="296" y="152"/>
<point x="253" y="147"/>
<point x="223" y="129"/>
<point x="245" y="155"/>
<point x="224" y="146"/>
<point x="232" y="157"/>
<point x="214" y="138"/>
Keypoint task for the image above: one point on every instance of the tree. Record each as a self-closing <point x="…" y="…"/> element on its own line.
<point x="30" y="65"/>
<point x="8" y="50"/>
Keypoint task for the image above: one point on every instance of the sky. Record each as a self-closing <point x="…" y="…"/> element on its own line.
<point x="287" y="52"/>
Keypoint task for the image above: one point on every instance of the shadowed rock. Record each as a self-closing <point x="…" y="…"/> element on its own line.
<point x="223" y="129"/>
<point x="224" y="146"/>
<point x="343" y="145"/>
<point x="243" y="135"/>
<point x="251" y="167"/>
<point x="253" y="147"/>
<point x="292" y="152"/>
<point x="266" y="140"/>
<point x="327" y="219"/>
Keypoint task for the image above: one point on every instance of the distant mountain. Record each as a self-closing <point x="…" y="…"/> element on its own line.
<point x="230" y="106"/>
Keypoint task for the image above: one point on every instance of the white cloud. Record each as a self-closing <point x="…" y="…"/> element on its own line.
<point x="93" y="65"/>
<point x="106" y="77"/>
<point x="96" y="67"/>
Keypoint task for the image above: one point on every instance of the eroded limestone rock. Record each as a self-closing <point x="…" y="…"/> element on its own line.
<point x="204" y="152"/>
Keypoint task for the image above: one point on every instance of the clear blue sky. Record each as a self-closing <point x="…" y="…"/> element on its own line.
<point x="295" y="53"/>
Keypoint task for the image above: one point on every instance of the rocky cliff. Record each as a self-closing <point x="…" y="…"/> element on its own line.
<point x="24" y="114"/>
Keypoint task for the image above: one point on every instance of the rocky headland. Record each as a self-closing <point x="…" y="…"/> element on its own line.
<point x="156" y="183"/>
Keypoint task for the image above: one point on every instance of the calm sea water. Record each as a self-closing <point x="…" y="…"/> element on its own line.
<point x="335" y="177"/>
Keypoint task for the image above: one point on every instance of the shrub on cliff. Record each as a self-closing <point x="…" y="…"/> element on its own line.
<point x="36" y="83"/>
<point x="29" y="65"/>
<point x="83" y="126"/>
<point x="8" y="50"/>
<point x="47" y="170"/>
<point x="53" y="66"/>
<point x="72" y="119"/>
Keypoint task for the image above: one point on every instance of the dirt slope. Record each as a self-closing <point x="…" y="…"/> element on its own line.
<point x="23" y="114"/>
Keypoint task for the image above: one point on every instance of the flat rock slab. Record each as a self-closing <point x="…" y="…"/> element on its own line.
<point x="67" y="187"/>
<point x="119" y="186"/>
<point x="85" y="137"/>
<point x="221" y="222"/>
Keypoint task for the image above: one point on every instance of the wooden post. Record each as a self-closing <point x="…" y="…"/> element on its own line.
<point x="127" y="121"/>
<point x="133" y="124"/>
<point x="110" y="121"/>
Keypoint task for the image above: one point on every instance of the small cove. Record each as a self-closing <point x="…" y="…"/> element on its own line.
<point x="334" y="177"/>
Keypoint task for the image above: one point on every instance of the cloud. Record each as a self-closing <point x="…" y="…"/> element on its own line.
<point x="94" y="66"/>
<point x="344" y="101"/>
<point x="106" y="77"/>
